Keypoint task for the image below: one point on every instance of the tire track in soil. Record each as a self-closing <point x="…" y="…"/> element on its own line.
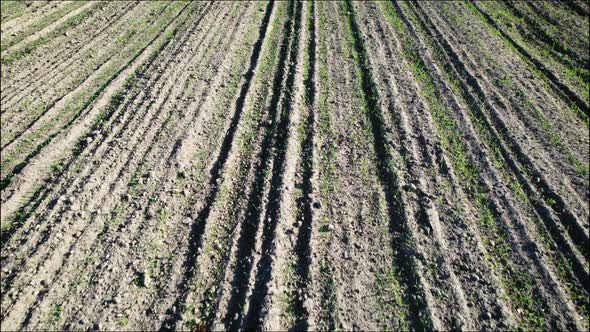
<point x="249" y="228"/>
<point x="562" y="29"/>
<point x="533" y="38"/>
<point x="541" y="12"/>
<point x="346" y="192"/>
<point x="190" y="209"/>
<point x="568" y="96"/>
<point x="276" y="313"/>
<point x="321" y="299"/>
<point x="517" y="160"/>
<point x="229" y="210"/>
<point x="198" y="225"/>
<point x="69" y="186"/>
<point x="563" y="23"/>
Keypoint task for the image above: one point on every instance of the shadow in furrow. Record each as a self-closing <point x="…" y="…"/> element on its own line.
<point x="302" y="246"/>
<point x="57" y="100"/>
<point x="575" y="7"/>
<point x="50" y="72"/>
<point x="565" y="55"/>
<point x="247" y="238"/>
<point x="42" y="193"/>
<point x="565" y="93"/>
<point x="272" y="212"/>
<point x="401" y="241"/>
<point x="20" y="166"/>
<point x="541" y="12"/>
<point x="198" y="226"/>
<point x="469" y="83"/>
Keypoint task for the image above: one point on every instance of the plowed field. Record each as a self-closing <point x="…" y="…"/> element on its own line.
<point x="295" y="165"/>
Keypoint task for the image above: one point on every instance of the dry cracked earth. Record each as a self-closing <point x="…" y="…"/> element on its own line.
<point x="299" y="165"/>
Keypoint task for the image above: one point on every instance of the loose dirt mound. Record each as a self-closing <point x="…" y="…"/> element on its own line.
<point x="295" y="165"/>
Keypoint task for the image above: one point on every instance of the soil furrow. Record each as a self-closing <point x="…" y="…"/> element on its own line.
<point x="548" y="41"/>
<point x="495" y="208"/>
<point x="416" y="160"/>
<point x="18" y="167"/>
<point x="222" y="226"/>
<point x="253" y="317"/>
<point x="85" y="55"/>
<point x="82" y="143"/>
<point x="37" y="22"/>
<point x="321" y="185"/>
<point x="189" y="207"/>
<point x="104" y="117"/>
<point x="294" y="165"/>
<point x="570" y="97"/>
<point x="388" y="177"/>
<point x="516" y="155"/>
<point x="13" y="10"/>
<point x="577" y="8"/>
<point x="34" y="14"/>
<point x="520" y="130"/>
<point x="139" y="211"/>
<point x="14" y="80"/>
<point x="198" y="224"/>
<point x="62" y="100"/>
<point x="46" y="30"/>
<point x="562" y="23"/>
<point x="541" y="211"/>
<point x="573" y="74"/>
<point x="90" y="210"/>
<point x="271" y="162"/>
<point x="304" y="202"/>
<point x="259" y="192"/>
